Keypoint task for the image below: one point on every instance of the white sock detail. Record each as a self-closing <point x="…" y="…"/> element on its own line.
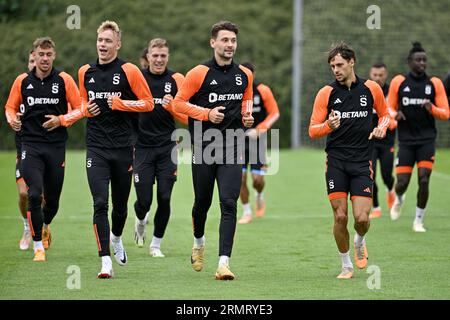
<point x="156" y="242"/>
<point x="106" y="261"/>
<point x="26" y="225"/>
<point x="224" y="261"/>
<point x="259" y="196"/>
<point x="37" y="245"/>
<point x="346" y="262"/>
<point x="115" y="238"/>
<point x="143" y="221"/>
<point x="359" y="240"/>
<point x="399" y="199"/>
<point x="199" y="242"/>
<point x="247" y="209"/>
<point x="420" y="213"/>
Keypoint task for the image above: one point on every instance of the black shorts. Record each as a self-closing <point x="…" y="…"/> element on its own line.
<point x="151" y="163"/>
<point x="343" y="177"/>
<point x="255" y="156"/>
<point x="408" y="155"/>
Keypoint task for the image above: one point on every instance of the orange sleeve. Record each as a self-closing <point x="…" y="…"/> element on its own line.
<point x="180" y="117"/>
<point x="15" y="99"/>
<point x="247" y="99"/>
<point x="139" y="87"/>
<point x="83" y="93"/>
<point x="191" y="84"/>
<point x="318" y="126"/>
<point x="273" y="113"/>
<point x="393" y="91"/>
<point x="379" y="104"/>
<point x="440" y="110"/>
<point x="73" y="98"/>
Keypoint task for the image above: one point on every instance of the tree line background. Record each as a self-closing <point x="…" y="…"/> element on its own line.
<point x="265" y="38"/>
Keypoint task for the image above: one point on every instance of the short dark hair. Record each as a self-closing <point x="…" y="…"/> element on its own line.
<point x="223" y="25"/>
<point x="379" y="64"/>
<point x="343" y="49"/>
<point x="249" y="66"/>
<point x="416" y="47"/>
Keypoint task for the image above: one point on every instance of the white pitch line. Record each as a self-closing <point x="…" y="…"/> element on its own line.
<point x="440" y="175"/>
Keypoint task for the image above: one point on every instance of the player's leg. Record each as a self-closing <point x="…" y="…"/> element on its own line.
<point x="166" y="172"/>
<point x="24" y="242"/>
<point x="121" y="174"/>
<point x="144" y="178"/>
<point x="406" y="158"/>
<point x="244" y="195"/>
<point x="386" y="167"/>
<point x="337" y="183"/>
<point x="361" y="186"/>
<point x="258" y="170"/>
<point x="376" y="211"/>
<point x="425" y="161"/>
<point x="33" y="172"/>
<point x="203" y="178"/>
<point x="228" y="177"/>
<point x="53" y="182"/>
<point x="99" y="175"/>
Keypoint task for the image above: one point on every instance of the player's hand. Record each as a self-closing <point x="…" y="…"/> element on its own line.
<point x="400" y="116"/>
<point x="248" y="120"/>
<point x="52" y="123"/>
<point x="377" y="133"/>
<point x="93" y="108"/>
<point x="252" y="134"/>
<point x="167" y="99"/>
<point x="215" y="116"/>
<point x="16" y="125"/>
<point x="427" y="105"/>
<point x="334" y="121"/>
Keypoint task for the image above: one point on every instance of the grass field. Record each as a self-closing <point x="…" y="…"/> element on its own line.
<point x="289" y="254"/>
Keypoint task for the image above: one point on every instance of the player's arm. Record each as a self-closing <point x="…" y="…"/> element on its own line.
<point x="139" y="87"/>
<point x="379" y="104"/>
<point x="441" y="109"/>
<point x="13" y="104"/>
<point x="190" y="86"/>
<point x="247" y="99"/>
<point x="273" y="113"/>
<point x="393" y="96"/>
<point x="319" y="125"/>
<point x="169" y="106"/>
<point x="74" y="99"/>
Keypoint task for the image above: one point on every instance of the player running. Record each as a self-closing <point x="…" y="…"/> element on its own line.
<point x="108" y="87"/>
<point x="24" y="242"/>
<point x="419" y="99"/>
<point x="343" y="112"/>
<point x="383" y="149"/>
<point x="265" y="113"/>
<point x="217" y="96"/>
<point x="36" y="107"/>
<point x="152" y="159"/>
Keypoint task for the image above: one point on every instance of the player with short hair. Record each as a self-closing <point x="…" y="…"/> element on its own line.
<point x="153" y="150"/>
<point x="266" y="113"/>
<point x="217" y="96"/>
<point x="113" y="90"/>
<point x="383" y="149"/>
<point x="418" y="99"/>
<point x="36" y="107"/>
<point x="343" y="112"/>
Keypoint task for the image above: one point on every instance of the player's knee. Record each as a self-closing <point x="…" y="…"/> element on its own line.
<point x="23" y="196"/>
<point x="101" y="205"/>
<point x="34" y="197"/>
<point x="340" y="216"/>
<point x="424" y="181"/>
<point x="142" y="205"/>
<point x="363" y="218"/>
<point x="228" y="206"/>
<point x="258" y="182"/>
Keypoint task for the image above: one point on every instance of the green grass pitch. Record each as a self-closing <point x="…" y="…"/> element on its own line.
<point x="288" y="254"/>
